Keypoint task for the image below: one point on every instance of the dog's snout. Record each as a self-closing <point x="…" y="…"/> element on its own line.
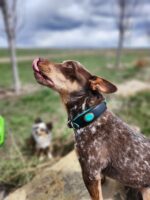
<point x="44" y="65"/>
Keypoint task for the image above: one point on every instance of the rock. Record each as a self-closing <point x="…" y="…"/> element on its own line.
<point x="2" y="194"/>
<point x="19" y="194"/>
<point x="63" y="181"/>
<point x="132" y="87"/>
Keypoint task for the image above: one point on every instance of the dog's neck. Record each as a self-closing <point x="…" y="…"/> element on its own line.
<point x="82" y="100"/>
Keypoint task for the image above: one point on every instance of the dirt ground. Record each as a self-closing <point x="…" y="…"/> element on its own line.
<point x="125" y="89"/>
<point x="132" y="87"/>
<point x="63" y="181"/>
<point x="26" y="89"/>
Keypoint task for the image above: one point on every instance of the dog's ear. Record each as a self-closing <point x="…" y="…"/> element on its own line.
<point x="38" y="120"/>
<point x="102" y="85"/>
<point x="49" y="125"/>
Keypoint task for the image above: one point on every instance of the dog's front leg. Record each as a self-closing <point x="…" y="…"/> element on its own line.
<point x="94" y="187"/>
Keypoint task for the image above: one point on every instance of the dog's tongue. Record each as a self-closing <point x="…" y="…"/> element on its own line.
<point x="35" y="64"/>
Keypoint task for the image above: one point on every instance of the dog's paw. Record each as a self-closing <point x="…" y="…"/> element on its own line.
<point x="49" y="156"/>
<point x="41" y="158"/>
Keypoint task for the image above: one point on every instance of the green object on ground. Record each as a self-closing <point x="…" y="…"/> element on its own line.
<point x="2" y="130"/>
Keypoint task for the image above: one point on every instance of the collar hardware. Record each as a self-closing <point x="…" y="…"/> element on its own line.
<point x="88" y="116"/>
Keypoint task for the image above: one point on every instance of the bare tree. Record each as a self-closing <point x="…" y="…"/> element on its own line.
<point x="9" y="14"/>
<point x="147" y="26"/>
<point x="125" y="11"/>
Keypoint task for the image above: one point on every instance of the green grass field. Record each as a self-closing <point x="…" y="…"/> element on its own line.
<point x="135" y="110"/>
<point x="20" y="112"/>
<point x="97" y="62"/>
<point x="28" y="52"/>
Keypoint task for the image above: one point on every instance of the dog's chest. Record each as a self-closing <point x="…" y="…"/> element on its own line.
<point x="42" y="141"/>
<point x="91" y="149"/>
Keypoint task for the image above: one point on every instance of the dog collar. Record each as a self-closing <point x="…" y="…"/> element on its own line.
<point x="88" y="116"/>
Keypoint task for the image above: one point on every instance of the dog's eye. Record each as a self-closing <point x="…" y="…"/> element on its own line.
<point x="70" y="66"/>
<point x="69" y="70"/>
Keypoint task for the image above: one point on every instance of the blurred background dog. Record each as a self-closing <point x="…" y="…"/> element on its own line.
<point x="40" y="140"/>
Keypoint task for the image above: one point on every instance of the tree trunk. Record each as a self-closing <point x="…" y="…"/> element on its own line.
<point x="10" y="22"/>
<point x="13" y="60"/>
<point x="119" y="50"/>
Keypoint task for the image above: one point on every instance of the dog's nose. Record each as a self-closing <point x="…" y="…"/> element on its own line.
<point x="43" y="62"/>
<point x="41" y="59"/>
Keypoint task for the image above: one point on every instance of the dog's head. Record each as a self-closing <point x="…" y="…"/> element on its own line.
<point x="68" y="77"/>
<point x="40" y="128"/>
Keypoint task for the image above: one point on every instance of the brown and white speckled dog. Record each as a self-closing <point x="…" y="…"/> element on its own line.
<point x="106" y="146"/>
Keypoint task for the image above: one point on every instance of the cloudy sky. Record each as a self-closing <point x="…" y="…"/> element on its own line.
<point x="77" y="24"/>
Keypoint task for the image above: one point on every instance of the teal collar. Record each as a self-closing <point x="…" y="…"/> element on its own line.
<point x="88" y="116"/>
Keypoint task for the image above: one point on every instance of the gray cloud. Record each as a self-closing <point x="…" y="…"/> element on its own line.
<point x="74" y="23"/>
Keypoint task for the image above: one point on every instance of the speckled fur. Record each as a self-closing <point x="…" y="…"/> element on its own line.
<point x="110" y="146"/>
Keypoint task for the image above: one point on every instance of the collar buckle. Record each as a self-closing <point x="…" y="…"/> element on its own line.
<point x="72" y="124"/>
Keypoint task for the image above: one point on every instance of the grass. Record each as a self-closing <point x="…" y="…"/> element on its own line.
<point x="19" y="114"/>
<point x="28" y="52"/>
<point x="4" y="52"/>
<point x="25" y="71"/>
<point x="96" y="63"/>
<point x="136" y="110"/>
